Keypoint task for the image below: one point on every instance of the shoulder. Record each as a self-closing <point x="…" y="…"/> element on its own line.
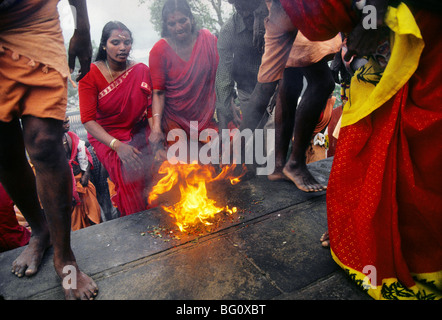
<point x="92" y="75"/>
<point x="207" y="35"/>
<point x="159" y="46"/>
<point x="73" y="136"/>
<point x="228" y="27"/>
<point x="142" y="67"/>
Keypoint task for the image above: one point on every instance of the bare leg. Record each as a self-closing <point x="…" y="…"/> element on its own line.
<point x="259" y="100"/>
<point x="320" y="86"/>
<point x="290" y="88"/>
<point x="43" y="141"/>
<point x="19" y="181"/>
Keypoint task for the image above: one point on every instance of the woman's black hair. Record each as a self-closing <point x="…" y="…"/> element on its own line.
<point x="107" y="30"/>
<point x="170" y="6"/>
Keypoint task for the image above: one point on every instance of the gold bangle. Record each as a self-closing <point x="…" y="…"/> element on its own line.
<point x="111" y="144"/>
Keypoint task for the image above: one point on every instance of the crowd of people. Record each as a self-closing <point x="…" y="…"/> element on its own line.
<point x="384" y="196"/>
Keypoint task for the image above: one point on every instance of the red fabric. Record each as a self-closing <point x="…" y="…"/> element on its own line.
<point x="320" y="20"/>
<point x="189" y="86"/>
<point x="384" y="198"/>
<point x="121" y="110"/>
<point x="90" y="86"/>
<point x="12" y="235"/>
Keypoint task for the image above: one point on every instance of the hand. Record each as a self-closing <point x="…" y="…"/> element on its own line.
<point x="84" y="180"/>
<point x="361" y="41"/>
<point x="80" y="47"/>
<point x="156" y="140"/>
<point x="129" y="156"/>
<point x="236" y="112"/>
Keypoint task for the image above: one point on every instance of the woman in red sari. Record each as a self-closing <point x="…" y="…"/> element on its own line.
<point x="115" y="102"/>
<point x="183" y="66"/>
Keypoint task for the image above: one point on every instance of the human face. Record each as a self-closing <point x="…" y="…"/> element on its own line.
<point x="179" y="26"/>
<point x="118" y="46"/>
<point x="245" y="9"/>
<point x="66" y="125"/>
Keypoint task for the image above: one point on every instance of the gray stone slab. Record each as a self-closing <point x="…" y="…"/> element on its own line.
<point x="210" y="269"/>
<point x="337" y="286"/>
<point x="286" y="245"/>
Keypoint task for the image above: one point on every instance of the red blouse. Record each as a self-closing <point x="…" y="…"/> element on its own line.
<point x="92" y="84"/>
<point x="164" y="64"/>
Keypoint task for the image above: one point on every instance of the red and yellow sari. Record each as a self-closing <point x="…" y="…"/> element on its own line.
<point x="384" y="198"/>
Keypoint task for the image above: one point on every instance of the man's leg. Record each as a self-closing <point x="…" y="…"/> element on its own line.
<point x="257" y="104"/>
<point x="320" y="86"/>
<point x="18" y="180"/>
<point x="43" y="141"/>
<point x="290" y="88"/>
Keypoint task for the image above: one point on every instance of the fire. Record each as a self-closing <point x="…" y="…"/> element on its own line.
<point x="194" y="205"/>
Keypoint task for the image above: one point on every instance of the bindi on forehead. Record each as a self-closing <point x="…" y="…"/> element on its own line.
<point x="176" y="16"/>
<point x="120" y="34"/>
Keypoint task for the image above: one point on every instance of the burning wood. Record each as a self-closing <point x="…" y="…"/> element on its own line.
<point x="194" y="205"/>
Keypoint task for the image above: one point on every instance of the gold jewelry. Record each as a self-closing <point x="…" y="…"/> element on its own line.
<point x="109" y="70"/>
<point x="110" y="73"/>
<point x="112" y="143"/>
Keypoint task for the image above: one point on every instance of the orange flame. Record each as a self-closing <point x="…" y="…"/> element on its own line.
<point x="194" y="205"/>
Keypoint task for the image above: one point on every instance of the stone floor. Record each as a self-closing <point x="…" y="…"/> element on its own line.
<point x="269" y="249"/>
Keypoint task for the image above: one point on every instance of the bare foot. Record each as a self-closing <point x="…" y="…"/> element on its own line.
<point x="325" y="241"/>
<point x="29" y="260"/>
<point x="302" y="178"/>
<point x="277" y="175"/>
<point x="76" y="284"/>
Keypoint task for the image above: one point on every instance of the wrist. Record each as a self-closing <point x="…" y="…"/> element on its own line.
<point x="114" y="143"/>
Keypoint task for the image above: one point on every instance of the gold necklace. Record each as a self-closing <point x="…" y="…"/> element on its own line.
<point x="110" y="73"/>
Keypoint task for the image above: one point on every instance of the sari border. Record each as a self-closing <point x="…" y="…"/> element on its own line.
<point x="427" y="285"/>
<point x="116" y="83"/>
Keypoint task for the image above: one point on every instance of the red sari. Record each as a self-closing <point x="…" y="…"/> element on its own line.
<point x="12" y="234"/>
<point x="189" y="85"/>
<point x="122" y="110"/>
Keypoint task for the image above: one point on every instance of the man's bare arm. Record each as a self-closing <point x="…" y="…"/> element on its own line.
<point x="80" y="44"/>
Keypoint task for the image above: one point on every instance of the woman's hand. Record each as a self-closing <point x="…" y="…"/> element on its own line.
<point x="156" y="140"/>
<point x="129" y="156"/>
<point x="84" y="180"/>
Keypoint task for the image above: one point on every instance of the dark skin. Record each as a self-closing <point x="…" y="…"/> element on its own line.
<point x="41" y="138"/>
<point x="361" y="42"/>
<point x="253" y="14"/>
<point x="300" y="121"/>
